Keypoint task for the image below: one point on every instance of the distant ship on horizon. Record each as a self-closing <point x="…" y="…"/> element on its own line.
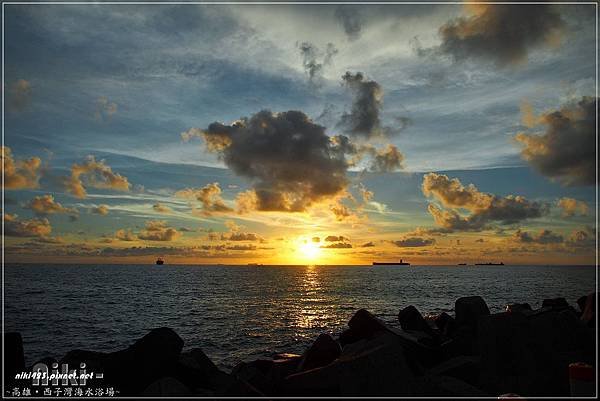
<point x="401" y="263"/>
<point x="160" y="261"/>
<point x="490" y="264"/>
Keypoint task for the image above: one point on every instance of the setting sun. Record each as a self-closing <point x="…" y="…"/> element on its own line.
<point x="309" y="250"/>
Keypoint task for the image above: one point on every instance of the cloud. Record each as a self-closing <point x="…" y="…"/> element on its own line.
<point x="310" y="60"/>
<point x="157" y="230"/>
<point x="337" y="245"/>
<point x="94" y="174"/>
<point x="209" y="196"/>
<point x="49" y="240"/>
<point x="414" y="242"/>
<point x="20" y="174"/>
<point x="45" y="205"/>
<point x="102" y="210"/>
<point x="290" y="160"/>
<point x="37" y="227"/>
<point x="367" y="245"/>
<point x="341" y="211"/>
<point x="335" y="238"/>
<point x="566" y="151"/>
<point x="160" y="208"/>
<point x="245" y="247"/>
<point x="387" y="159"/>
<point x="543" y="237"/>
<point x="191" y="133"/>
<point x="125" y="235"/>
<point x="503" y="34"/>
<point x="585" y="238"/>
<point x="351" y="20"/>
<point x="483" y="208"/>
<point x="572" y="207"/>
<point x="104" y="109"/>
<point x="19" y="95"/>
<point x="365" y="194"/>
<point x="240" y="236"/>
<point x="363" y="119"/>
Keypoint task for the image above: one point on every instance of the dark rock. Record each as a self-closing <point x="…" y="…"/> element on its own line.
<point x="530" y="355"/>
<point x="132" y="370"/>
<point x="411" y="319"/>
<point x="195" y="369"/>
<point x="161" y="346"/>
<point x="469" y="309"/>
<point x="266" y="376"/>
<point x="199" y="373"/>
<point x="559" y="338"/>
<point x="256" y="373"/>
<point x="581" y="302"/>
<point x="555" y="303"/>
<point x="47" y="360"/>
<point x="518" y="308"/>
<point x="97" y="362"/>
<point x="348" y="336"/>
<point x="152" y="357"/>
<point x="588" y="315"/>
<point x="507" y="363"/>
<point x="14" y="359"/>
<point x="446" y="324"/>
<point x="465" y="368"/>
<point x="322" y="352"/>
<point x="445" y="386"/>
<point x="167" y="387"/>
<point x="375" y="367"/>
<point x="284" y="367"/>
<point x="363" y="325"/>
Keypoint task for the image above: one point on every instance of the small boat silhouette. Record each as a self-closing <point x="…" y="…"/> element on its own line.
<point x="160" y="261"/>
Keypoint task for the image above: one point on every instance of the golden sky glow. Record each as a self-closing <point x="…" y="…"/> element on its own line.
<point x="429" y="134"/>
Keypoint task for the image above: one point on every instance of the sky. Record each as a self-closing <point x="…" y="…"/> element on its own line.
<point x="300" y="134"/>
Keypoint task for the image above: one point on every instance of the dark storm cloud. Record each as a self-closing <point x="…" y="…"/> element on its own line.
<point x="351" y="20"/>
<point x="414" y="242"/>
<point x="502" y="34"/>
<point x="566" y="151"/>
<point x="314" y="60"/>
<point x="543" y="237"/>
<point x="363" y="119"/>
<point x="483" y="208"/>
<point x="291" y="161"/>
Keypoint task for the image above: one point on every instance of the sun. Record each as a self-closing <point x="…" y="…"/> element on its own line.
<point x="309" y="250"/>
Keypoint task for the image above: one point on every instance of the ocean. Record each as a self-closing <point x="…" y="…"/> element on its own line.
<point x="240" y="313"/>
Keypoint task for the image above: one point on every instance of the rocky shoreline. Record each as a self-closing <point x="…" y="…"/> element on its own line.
<point x="471" y="354"/>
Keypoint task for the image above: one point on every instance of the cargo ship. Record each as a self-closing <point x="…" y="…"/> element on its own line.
<point x="490" y="264"/>
<point x="401" y="263"/>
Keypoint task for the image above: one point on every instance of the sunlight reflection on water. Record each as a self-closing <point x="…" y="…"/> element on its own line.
<point x="238" y="313"/>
